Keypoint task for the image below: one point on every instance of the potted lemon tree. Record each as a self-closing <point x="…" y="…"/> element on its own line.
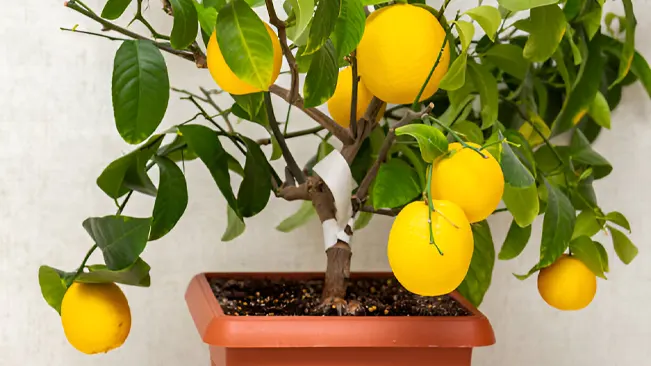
<point x="439" y="119"/>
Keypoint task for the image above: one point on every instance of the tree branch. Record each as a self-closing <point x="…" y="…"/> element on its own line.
<point x="289" y="158"/>
<point x="392" y="212"/>
<point x="294" y="134"/>
<point x="291" y="60"/>
<point x="210" y="101"/>
<point x="321" y="118"/>
<point x="353" y="99"/>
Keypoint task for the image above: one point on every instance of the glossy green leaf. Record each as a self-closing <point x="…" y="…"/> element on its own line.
<point x="177" y="150"/>
<point x="207" y="17"/>
<point x="599" y="111"/>
<point x="298" y="219"/>
<point x="592" y="21"/>
<point x="547" y="30"/>
<point x="469" y="131"/>
<point x="466" y="31"/>
<point x="215" y="4"/>
<point x="624" y="247"/>
<point x="576" y="52"/>
<point x="515" y="173"/>
<point x="121" y="239"/>
<point x="323" y="23"/>
<point x="519" y="5"/>
<point x="583" y="91"/>
<point x="255" y="3"/>
<point x="115" y="8"/>
<point x="586" y="225"/>
<point x="431" y="141"/>
<point x="303" y="11"/>
<point x="321" y="79"/>
<point x="255" y="189"/>
<point x="171" y="200"/>
<point x="619" y="219"/>
<point x="509" y="58"/>
<point x="393" y="174"/>
<point x="480" y="273"/>
<point x="53" y="286"/>
<point x="603" y="255"/>
<point x="558" y="225"/>
<point x="522" y="203"/>
<point x="205" y="142"/>
<point x="140" y="90"/>
<point x="639" y="67"/>
<point x="129" y="172"/>
<point x="581" y="152"/>
<point x="349" y="27"/>
<point x="252" y="105"/>
<point x="628" y="51"/>
<point x="235" y="225"/>
<point x="486" y="84"/>
<point x="522" y="149"/>
<point x="136" y="274"/>
<point x="186" y="24"/>
<point x="362" y="221"/>
<point x="563" y="70"/>
<point x="456" y="75"/>
<point x="488" y="17"/>
<point x="585" y="250"/>
<point x="515" y="242"/>
<point x="245" y="44"/>
<point x="572" y="8"/>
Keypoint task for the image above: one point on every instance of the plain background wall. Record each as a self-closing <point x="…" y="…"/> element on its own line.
<point x="57" y="134"/>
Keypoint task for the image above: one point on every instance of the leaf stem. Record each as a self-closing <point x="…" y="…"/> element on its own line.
<point x="456" y="137"/>
<point x="414" y="105"/>
<point x="430" y="208"/>
<point x="81" y="266"/>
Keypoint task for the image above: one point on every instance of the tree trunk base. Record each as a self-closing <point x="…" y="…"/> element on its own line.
<point x="336" y="281"/>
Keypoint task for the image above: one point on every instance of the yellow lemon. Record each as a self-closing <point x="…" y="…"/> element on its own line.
<point x="568" y="284"/>
<point x="471" y="181"/>
<point x="398" y="50"/>
<point x="226" y="79"/>
<point x="416" y="263"/>
<point x="96" y="317"/>
<point x="339" y="103"/>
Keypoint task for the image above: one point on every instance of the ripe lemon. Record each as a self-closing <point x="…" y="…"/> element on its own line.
<point x="96" y="317"/>
<point x="471" y="181"/>
<point x="416" y="263"/>
<point x="568" y="284"/>
<point x="398" y="50"/>
<point x="226" y="79"/>
<point x="339" y="103"/>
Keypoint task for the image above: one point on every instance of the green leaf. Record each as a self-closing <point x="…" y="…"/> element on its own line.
<point x="586" y="225"/>
<point x="592" y="21"/>
<point x="515" y="173"/>
<point x="374" y="2"/>
<point x="252" y="104"/>
<point x="480" y="273"/>
<point x="349" y="27"/>
<point x="141" y="90"/>
<point x="303" y="10"/>
<point x="245" y="44"/>
<point x="603" y="255"/>
<point x="583" y="92"/>
<point x="624" y="247"/>
<point x="576" y="52"/>
<point x="255" y="3"/>
<point x="207" y="17"/>
<point x="486" y="84"/>
<point x="255" y="189"/>
<point x="522" y="202"/>
<point x="362" y="221"/>
<point x="572" y="8"/>
<point x="599" y="111"/>
<point x="619" y="219"/>
<point x="171" y="200"/>
<point x="321" y="79"/>
<point x="469" y="131"/>
<point x="466" y="32"/>
<point x="177" y="150"/>
<point x="488" y="17"/>
<point x="519" y="5"/>
<point x="639" y="67"/>
<point x="323" y="23"/>
<point x="547" y="29"/>
<point x="558" y="225"/>
<point x="456" y="75"/>
<point x="528" y="132"/>
<point x="129" y="172"/>
<point x="509" y="58"/>
<point x="115" y="8"/>
<point x="136" y="274"/>
<point x="585" y="250"/>
<point x="235" y="225"/>
<point x="300" y="218"/>
<point x="215" y="4"/>
<point x="53" y="286"/>
<point x="396" y="184"/>
<point x="628" y="51"/>
<point x="563" y="70"/>
<point x="186" y="24"/>
<point x="516" y="239"/>
<point x="205" y="142"/>
<point x="121" y="239"/>
<point x="431" y="141"/>
<point x="581" y="152"/>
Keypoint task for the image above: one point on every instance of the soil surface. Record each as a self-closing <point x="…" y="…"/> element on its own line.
<point x="371" y="297"/>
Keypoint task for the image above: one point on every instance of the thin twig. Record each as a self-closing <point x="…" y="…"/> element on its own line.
<point x="289" y="158"/>
<point x="94" y="34"/>
<point x="321" y="118"/>
<point x="442" y="9"/>
<point x="392" y="212"/>
<point x="291" y="60"/>
<point x="210" y="101"/>
<point x="141" y="18"/>
<point x="414" y="105"/>
<point x="294" y="134"/>
<point x="353" y="99"/>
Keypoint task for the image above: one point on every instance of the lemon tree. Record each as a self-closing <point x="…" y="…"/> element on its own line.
<point x="441" y="119"/>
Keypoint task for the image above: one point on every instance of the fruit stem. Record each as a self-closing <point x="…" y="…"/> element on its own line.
<point x="456" y="137"/>
<point x="431" y="208"/>
<point x="81" y="266"/>
<point x="414" y="105"/>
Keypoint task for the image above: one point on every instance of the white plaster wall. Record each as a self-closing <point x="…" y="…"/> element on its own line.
<point x="57" y="134"/>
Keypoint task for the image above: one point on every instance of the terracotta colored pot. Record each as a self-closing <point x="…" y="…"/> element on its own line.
<point x="332" y="341"/>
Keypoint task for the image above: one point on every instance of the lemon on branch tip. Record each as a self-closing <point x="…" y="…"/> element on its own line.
<point x="416" y="262"/>
<point x="226" y="78"/>
<point x="567" y="284"/>
<point x="340" y="102"/>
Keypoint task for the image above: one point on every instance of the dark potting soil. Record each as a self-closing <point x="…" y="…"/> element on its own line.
<point x="373" y="297"/>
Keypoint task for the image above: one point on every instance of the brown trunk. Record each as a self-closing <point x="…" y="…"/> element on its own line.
<point x="337" y="271"/>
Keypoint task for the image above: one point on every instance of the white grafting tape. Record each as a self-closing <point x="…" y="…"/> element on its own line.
<point x="336" y="174"/>
<point x="330" y="232"/>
